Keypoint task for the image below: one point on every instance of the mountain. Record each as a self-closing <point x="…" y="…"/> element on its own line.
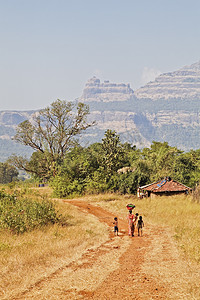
<point x="95" y="91"/>
<point x="112" y="107"/>
<point x="167" y="109"/>
<point x="164" y="110"/>
<point x="181" y="84"/>
<point x="8" y="123"/>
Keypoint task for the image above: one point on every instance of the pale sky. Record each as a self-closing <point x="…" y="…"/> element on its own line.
<point x="50" y="48"/>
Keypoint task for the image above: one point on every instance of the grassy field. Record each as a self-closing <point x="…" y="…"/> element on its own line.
<point x="179" y="213"/>
<point x="42" y="251"/>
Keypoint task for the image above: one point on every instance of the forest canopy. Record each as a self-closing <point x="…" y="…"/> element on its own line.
<point x="115" y="167"/>
<point x="109" y="165"/>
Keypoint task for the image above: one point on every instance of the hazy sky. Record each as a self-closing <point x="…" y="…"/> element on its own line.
<point x="50" y="48"/>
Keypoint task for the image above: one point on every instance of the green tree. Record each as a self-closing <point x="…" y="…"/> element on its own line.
<point x="7" y="173"/>
<point x="187" y="168"/>
<point x="131" y="154"/>
<point x="76" y="172"/>
<point x="112" y="152"/>
<point x="161" y="159"/>
<point x="52" y="132"/>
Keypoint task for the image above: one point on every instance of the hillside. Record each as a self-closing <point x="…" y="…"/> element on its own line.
<point x="181" y="84"/>
<point x="164" y="110"/>
<point x="8" y="122"/>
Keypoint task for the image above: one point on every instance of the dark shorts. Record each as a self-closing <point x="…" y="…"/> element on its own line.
<point x="115" y="229"/>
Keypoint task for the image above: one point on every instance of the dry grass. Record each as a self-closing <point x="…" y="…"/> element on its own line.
<point x="179" y="213"/>
<point x="41" y="252"/>
<point x="182" y="215"/>
<point x="27" y="258"/>
<point x="29" y="191"/>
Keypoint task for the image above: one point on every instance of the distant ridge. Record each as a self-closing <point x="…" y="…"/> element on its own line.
<point x="181" y="84"/>
<point x="105" y="92"/>
<point x="167" y="109"/>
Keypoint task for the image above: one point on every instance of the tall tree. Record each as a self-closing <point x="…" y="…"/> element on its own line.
<point x="53" y="131"/>
<point x="161" y="159"/>
<point x="112" y="151"/>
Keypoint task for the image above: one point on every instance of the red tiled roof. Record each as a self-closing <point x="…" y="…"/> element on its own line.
<point x="166" y="185"/>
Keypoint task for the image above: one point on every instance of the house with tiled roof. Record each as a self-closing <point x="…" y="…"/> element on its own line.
<point x="166" y="186"/>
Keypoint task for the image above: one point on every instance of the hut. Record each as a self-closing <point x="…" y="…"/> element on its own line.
<point x="164" y="187"/>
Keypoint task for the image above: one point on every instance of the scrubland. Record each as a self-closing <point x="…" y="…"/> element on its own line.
<point x="26" y="257"/>
<point x="180" y="214"/>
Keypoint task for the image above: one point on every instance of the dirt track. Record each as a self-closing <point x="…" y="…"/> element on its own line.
<point x="124" y="267"/>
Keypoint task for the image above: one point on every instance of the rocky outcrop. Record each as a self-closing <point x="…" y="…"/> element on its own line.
<point x="164" y="110"/>
<point x="181" y="118"/>
<point x="8" y="122"/>
<point x="105" y="92"/>
<point x="181" y="84"/>
<point x="13" y="118"/>
<point x="122" y="122"/>
<point x="175" y="120"/>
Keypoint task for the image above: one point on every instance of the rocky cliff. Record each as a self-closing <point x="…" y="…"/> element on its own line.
<point x="167" y="109"/>
<point x="105" y="92"/>
<point x="164" y="110"/>
<point x="181" y="84"/>
<point x="8" y="122"/>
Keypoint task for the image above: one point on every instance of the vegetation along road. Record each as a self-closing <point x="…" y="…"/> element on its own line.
<point x="121" y="267"/>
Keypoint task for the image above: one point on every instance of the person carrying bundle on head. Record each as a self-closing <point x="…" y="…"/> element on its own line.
<point x="130" y="218"/>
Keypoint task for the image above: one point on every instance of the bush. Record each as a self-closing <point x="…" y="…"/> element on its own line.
<point x="97" y="183"/>
<point x="64" y="187"/>
<point x="21" y="215"/>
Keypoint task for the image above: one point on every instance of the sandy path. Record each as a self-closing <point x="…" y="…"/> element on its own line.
<point x="124" y="267"/>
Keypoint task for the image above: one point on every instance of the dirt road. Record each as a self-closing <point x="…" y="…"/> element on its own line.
<point x="148" y="267"/>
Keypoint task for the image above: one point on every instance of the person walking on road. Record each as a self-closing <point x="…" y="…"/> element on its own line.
<point x="116" y="229"/>
<point x="140" y="226"/>
<point x="131" y="226"/>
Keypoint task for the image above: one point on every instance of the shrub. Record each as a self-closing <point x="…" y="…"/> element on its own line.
<point x="21" y="215"/>
<point x="63" y="187"/>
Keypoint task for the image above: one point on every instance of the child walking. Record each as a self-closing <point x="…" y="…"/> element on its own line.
<point x="140" y="226"/>
<point x="116" y="229"/>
